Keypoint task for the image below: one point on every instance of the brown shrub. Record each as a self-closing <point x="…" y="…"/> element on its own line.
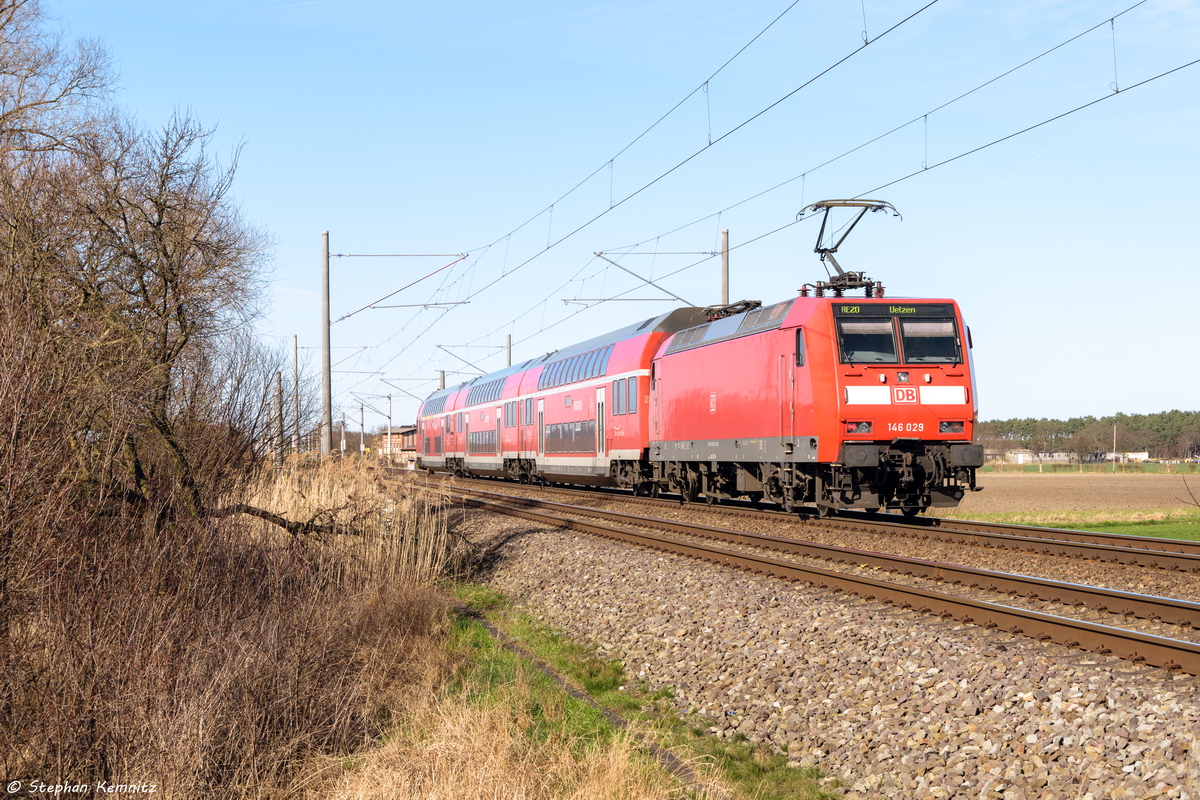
<point x="206" y="660"/>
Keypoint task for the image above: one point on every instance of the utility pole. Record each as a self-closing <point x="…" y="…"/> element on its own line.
<point x="343" y="434"/>
<point x="441" y="379"/>
<point x="508" y="348"/>
<point x="326" y="364"/>
<point x="296" y="394"/>
<point x="280" y="442"/>
<point x="725" y="267"/>
<point x="362" y="430"/>
<point x="389" y="439"/>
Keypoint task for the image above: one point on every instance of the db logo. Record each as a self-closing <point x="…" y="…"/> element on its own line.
<point x="904" y="394"/>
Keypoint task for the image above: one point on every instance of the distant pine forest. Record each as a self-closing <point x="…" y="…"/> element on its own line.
<point x="1164" y="436"/>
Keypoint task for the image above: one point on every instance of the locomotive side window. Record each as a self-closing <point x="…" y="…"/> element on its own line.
<point x="867" y="341"/>
<point x="929" y="341"/>
<point x="799" y="347"/>
<point x="633" y="384"/>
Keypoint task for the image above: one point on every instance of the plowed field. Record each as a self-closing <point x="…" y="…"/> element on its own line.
<point x="1088" y="493"/>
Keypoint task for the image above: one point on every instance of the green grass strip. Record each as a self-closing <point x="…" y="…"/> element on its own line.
<point x="754" y="770"/>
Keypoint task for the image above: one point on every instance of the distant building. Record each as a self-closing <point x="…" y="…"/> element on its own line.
<point x="401" y="448"/>
<point x="1022" y="456"/>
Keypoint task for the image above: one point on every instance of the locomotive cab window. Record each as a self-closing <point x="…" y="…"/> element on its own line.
<point x="929" y="341"/>
<point x="867" y="341"/>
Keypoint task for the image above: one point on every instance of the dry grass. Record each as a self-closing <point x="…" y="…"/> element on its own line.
<point x="220" y="657"/>
<point x="464" y="748"/>
<point x="373" y="529"/>
<point x="240" y="660"/>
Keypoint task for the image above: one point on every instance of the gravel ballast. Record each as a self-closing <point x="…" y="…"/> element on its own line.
<point x="893" y="703"/>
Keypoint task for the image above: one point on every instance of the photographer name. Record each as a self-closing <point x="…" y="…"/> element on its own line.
<point x="100" y="787"/>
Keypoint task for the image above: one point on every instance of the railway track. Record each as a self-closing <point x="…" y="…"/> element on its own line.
<point x="1143" y="551"/>
<point x="785" y="558"/>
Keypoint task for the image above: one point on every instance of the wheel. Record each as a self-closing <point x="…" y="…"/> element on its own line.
<point x="911" y="511"/>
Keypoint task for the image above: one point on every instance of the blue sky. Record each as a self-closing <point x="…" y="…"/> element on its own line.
<point x="461" y="127"/>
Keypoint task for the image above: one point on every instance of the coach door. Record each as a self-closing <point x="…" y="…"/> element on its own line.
<point x="541" y="423"/>
<point x="600" y="446"/>
<point x="499" y="432"/>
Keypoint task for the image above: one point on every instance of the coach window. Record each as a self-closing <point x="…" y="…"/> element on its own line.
<point x="604" y="361"/>
<point x="867" y="341"/>
<point x="799" y="347"/>
<point x="633" y="396"/>
<point x="929" y="341"/>
<point x="589" y="371"/>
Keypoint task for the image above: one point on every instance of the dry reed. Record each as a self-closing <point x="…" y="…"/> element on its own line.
<point x="221" y="657"/>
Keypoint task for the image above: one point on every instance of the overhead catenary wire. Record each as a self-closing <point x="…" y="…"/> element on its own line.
<point x="553" y="243"/>
<point x="925" y="166"/>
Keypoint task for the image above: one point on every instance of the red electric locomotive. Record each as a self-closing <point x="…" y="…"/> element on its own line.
<point x="818" y="400"/>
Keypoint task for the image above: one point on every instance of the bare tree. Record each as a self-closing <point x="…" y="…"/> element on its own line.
<point x="51" y="90"/>
<point x="166" y="272"/>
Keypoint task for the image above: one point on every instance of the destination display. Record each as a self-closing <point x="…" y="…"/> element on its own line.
<point x="899" y="309"/>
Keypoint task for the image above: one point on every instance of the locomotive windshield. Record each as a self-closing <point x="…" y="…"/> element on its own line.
<point x="894" y="334"/>
<point x="867" y="341"/>
<point x="929" y="341"/>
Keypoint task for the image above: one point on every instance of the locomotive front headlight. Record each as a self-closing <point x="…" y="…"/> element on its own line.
<point x="951" y="427"/>
<point x="882" y="378"/>
<point x="902" y="377"/>
<point x="858" y="427"/>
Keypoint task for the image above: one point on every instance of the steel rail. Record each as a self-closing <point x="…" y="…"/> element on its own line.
<point x="1170" y="610"/>
<point x="1066" y="534"/>
<point x="1103" y="639"/>
<point x="1123" y="553"/>
<point x="1154" y="553"/>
